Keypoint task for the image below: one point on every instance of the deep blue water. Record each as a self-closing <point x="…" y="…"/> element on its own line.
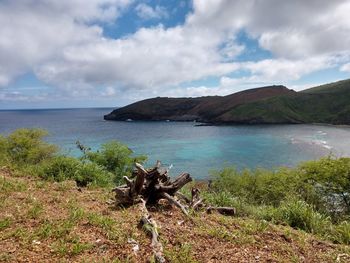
<point x="196" y="150"/>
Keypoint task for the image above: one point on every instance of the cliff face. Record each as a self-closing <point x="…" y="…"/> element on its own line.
<point x="273" y="104"/>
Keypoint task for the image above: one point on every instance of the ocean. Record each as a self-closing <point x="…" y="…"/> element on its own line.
<point x="184" y="146"/>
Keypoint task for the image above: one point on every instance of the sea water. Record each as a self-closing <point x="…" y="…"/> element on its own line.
<point x="183" y="145"/>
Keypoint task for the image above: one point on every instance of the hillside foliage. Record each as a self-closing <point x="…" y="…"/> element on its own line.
<point x="314" y="197"/>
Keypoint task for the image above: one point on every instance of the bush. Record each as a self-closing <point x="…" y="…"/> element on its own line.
<point x="329" y="180"/>
<point x="115" y="158"/>
<point x="257" y="187"/>
<point x="59" y="168"/>
<point x="299" y="214"/>
<point x="324" y="184"/>
<point x="26" y="150"/>
<point x="63" y="168"/>
<point x="26" y="147"/>
<point x="3" y="151"/>
<point x="342" y="233"/>
<point x="92" y="174"/>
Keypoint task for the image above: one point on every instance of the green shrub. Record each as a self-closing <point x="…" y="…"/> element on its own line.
<point x="299" y="214"/>
<point x="257" y="187"/>
<point x="26" y="147"/>
<point x="62" y="168"/>
<point x="329" y="179"/>
<point x="91" y="173"/>
<point x="116" y="158"/>
<point x="342" y="233"/>
<point x="59" y="168"/>
<point x="324" y="184"/>
<point x="3" y="151"/>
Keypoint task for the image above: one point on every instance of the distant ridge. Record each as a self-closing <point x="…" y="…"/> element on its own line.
<point x="329" y="103"/>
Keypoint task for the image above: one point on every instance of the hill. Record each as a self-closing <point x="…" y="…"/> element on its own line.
<point x="267" y="105"/>
<point x="42" y="221"/>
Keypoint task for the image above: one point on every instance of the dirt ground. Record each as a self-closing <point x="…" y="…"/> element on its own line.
<point x="57" y="222"/>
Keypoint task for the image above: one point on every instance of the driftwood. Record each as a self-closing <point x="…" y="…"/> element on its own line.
<point x="151" y="185"/>
<point x="148" y="186"/>
<point x="154" y="184"/>
<point x="150" y="227"/>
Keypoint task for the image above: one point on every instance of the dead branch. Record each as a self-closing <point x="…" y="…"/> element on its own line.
<point x="175" y="202"/>
<point x="148" y="186"/>
<point x="150" y="226"/>
<point x="222" y="210"/>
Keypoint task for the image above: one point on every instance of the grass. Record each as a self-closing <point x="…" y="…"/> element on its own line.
<point x="10" y="185"/>
<point x="35" y="211"/>
<point x="76" y="226"/>
<point x="48" y="216"/>
<point x="182" y="253"/>
<point x="4" y="223"/>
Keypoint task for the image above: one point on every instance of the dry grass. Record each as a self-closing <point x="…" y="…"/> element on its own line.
<point x="54" y="222"/>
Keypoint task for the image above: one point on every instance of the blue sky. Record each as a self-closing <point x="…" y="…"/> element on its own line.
<point x="106" y="53"/>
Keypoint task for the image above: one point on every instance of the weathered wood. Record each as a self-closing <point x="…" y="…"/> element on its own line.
<point x="198" y="204"/>
<point x="194" y="196"/>
<point x="176" y="185"/>
<point x="154" y="184"/>
<point x="138" y="183"/>
<point x="222" y="210"/>
<point x="150" y="226"/>
<point x="127" y="181"/>
<point x="175" y="202"/>
<point x="148" y="186"/>
<point x="183" y="197"/>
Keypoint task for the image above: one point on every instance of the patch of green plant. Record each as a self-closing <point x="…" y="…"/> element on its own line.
<point x="76" y="214"/>
<point x="54" y="229"/>
<point x="62" y="168"/>
<point x="102" y="221"/>
<point x="79" y="247"/>
<point x="329" y="179"/>
<point x="5" y="223"/>
<point x="60" y="247"/>
<point x="28" y="152"/>
<point x="180" y="254"/>
<point x="299" y="214"/>
<point x="115" y="158"/>
<point x="341" y="233"/>
<point x="313" y="197"/>
<point x="6" y="257"/>
<point x="22" y="234"/>
<point x="26" y="146"/>
<point x="35" y="210"/>
<point x="11" y="185"/>
<point x="255" y="187"/>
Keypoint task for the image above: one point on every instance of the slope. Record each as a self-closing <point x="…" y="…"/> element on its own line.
<point x="54" y="222"/>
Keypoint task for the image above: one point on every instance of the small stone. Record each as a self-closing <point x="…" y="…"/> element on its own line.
<point x="36" y="242"/>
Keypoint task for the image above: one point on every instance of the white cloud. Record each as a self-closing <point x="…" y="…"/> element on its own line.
<point x="146" y="12"/>
<point x="289" y="29"/>
<point x="109" y="91"/>
<point x="35" y="31"/>
<point x="148" y="59"/>
<point x="283" y="69"/>
<point x="62" y="42"/>
<point x="345" y="67"/>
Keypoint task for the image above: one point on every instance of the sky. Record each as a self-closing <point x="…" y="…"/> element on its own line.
<point x="109" y="53"/>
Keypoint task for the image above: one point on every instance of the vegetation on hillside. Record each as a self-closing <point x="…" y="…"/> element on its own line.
<point x="312" y="198"/>
<point x="26" y="152"/>
<point x="267" y="105"/>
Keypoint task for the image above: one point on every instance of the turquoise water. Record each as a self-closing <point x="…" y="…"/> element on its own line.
<point x="196" y="150"/>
